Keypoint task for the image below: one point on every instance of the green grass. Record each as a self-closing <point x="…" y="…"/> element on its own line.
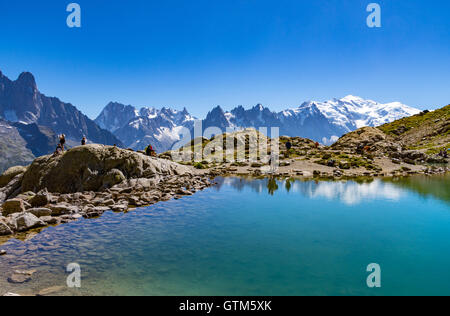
<point x="199" y="165"/>
<point x="415" y="121"/>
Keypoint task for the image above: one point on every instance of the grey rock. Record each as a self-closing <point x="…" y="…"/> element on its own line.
<point x="40" y="199"/>
<point x="112" y="178"/>
<point x="13" y="206"/>
<point x="4" y="229"/>
<point x="101" y="209"/>
<point x="10" y="174"/>
<point x="10" y="190"/>
<point x="119" y="207"/>
<point x="109" y="202"/>
<point x="28" y="221"/>
<point x="49" y="220"/>
<point x="40" y="212"/>
<point x="63" y="209"/>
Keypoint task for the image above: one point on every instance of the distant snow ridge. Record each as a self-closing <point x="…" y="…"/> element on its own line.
<point x="324" y="122"/>
<point x="139" y="128"/>
<point x="350" y="113"/>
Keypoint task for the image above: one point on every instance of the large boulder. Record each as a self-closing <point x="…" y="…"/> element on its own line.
<point x="42" y="198"/>
<point x="10" y="174"/>
<point x="13" y="206"/>
<point x="13" y="188"/>
<point x="90" y="167"/>
<point x="28" y="221"/>
<point x="40" y="211"/>
<point x="63" y="209"/>
<point x="112" y="178"/>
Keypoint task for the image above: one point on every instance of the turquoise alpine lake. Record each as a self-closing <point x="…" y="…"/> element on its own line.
<point x="253" y="237"/>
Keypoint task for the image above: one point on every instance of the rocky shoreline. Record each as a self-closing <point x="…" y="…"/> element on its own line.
<point x="34" y="210"/>
<point x="123" y="181"/>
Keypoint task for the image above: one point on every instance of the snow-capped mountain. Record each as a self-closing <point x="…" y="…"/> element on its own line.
<point x="138" y="128"/>
<point x="324" y="122"/>
<point x="115" y="116"/>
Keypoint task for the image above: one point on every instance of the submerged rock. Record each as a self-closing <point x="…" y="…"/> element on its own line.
<point x="50" y="291"/>
<point x="19" y="277"/>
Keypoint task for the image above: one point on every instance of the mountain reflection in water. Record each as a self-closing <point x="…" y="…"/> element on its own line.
<point x="348" y="192"/>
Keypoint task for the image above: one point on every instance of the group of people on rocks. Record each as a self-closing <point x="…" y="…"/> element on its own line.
<point x="62" y="143"/>
<point x="149" y="151"/>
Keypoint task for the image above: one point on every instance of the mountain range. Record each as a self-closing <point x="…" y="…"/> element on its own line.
<point x="324" y="122"/>
<point x="139" y="128"/>
<point x="30" y="121"/>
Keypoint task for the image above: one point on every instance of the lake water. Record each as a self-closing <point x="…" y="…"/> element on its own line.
<point x="254" y="237"/>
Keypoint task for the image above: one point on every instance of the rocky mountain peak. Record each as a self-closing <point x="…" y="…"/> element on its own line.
<point x="21" y="101"/>
<point x="27" y="79"/>
<point x="217" y="110"/>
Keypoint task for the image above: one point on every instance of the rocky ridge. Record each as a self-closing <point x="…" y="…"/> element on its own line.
<point x="368" y="151"/>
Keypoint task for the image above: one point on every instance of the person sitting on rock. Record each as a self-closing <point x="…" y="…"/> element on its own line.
<point x="149" y="151"/>
<point x="83" y="141"/>
<point x="62" y="141"/>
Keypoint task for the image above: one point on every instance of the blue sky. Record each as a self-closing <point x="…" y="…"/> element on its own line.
<point x="203" y="53"/>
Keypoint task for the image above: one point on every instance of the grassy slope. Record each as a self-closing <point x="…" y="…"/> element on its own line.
<point x="427" y="131"/>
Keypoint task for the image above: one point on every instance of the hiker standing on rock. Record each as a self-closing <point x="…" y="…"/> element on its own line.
<point x="288" y="147"/>
<point x="62" y="141"/>
<point x="83" y="141"/>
